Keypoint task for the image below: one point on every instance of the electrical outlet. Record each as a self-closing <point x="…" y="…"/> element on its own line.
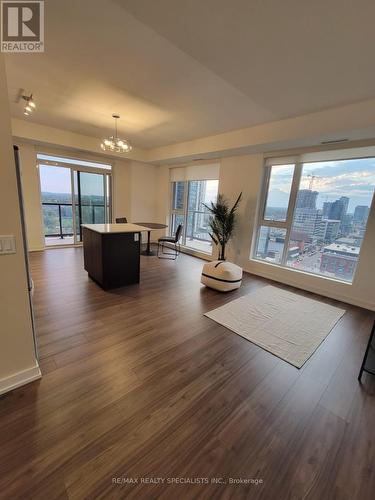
<point x="7" y="244"/>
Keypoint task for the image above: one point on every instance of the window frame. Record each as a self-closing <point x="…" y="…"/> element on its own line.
<point x="287" y="224"/>
<point x="298" y="162"/>
<point x="178" y="211"/>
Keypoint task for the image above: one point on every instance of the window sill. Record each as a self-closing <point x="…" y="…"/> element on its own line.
<point x="300" y="271"/>
<point x="195" y="253"/>
<point x="193" y="249"/>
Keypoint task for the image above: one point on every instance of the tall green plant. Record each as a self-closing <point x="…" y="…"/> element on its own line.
<point x="222" y="222"/>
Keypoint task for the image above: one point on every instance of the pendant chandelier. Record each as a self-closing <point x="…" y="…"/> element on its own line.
<point x="113" y="143"/>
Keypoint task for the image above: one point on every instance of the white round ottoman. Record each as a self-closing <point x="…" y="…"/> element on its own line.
<point x="221" y="275"/>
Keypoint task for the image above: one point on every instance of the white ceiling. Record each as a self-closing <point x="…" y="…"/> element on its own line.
<point x="180" y="69"/>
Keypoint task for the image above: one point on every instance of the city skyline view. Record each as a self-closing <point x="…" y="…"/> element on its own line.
<point x="332" y="179"/>
<point x="329" y="216"/>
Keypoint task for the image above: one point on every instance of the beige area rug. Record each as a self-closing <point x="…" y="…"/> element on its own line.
<point x="284" y="323"/>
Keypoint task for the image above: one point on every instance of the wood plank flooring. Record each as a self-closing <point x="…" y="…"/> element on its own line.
<point x="139" y="384"/>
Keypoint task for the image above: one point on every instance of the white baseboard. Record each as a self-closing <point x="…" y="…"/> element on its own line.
<point x="21" y="378"/>
<point x="268" y="274"/>
<point x="194" y="253"/>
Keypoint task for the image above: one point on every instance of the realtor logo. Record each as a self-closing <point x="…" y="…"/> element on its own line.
<point x="22" y="26"/>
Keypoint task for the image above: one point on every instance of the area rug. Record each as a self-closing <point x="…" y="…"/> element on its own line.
<point x="286" y="324"/>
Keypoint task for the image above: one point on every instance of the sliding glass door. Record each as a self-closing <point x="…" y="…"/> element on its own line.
<point x="57" y="205"/>
<point x="90" y="199"/>
<point x="72" y="197"/>
<point x="200" y="193"/>
<point x="188" y="208"/>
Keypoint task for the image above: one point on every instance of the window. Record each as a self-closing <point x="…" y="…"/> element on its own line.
<point x="178" y="189"/>
<point x="73" y="193"/>
<point x="313" y="214"/>
<point x="271" y="244"/>
<point x="187" y="208"/>
<point x="280" y="184"/>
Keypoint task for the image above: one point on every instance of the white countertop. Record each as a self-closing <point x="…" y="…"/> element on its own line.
<point x="116" y="228"/>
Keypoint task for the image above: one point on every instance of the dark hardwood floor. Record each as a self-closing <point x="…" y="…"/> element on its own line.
<point x="139" y="384"/>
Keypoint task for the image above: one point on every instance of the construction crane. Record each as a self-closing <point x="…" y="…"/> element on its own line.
<point x="312" y="179"/>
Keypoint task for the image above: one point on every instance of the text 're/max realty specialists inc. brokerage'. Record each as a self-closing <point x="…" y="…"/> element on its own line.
<point x="158" y="480"/>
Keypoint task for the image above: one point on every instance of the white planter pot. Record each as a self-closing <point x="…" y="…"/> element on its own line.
<point x="221" y="275"/>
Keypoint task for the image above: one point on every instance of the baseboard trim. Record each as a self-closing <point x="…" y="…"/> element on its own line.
<point x="313" y="289"/>
<point x="193" y="253"/>
<point x="21" y="378"/>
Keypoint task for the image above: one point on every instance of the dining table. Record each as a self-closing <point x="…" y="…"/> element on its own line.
<point x="150" y="226"/>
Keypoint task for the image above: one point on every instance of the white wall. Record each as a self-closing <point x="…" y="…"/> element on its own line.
<point x="144" y="198"/>
<point x="135" y="191"/>
<point x="121" y="193"/>
<point x="163" y="194"/>
<point x="243" y="173"/>
<point x="31" y="197"/>
<point x="17" y="358"/>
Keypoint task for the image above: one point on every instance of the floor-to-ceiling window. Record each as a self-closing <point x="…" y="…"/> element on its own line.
<point x="73" y="192"/>
<point x="188" y="202"/>
<point x="313" y="212"/>
<point x="56" y="192"/>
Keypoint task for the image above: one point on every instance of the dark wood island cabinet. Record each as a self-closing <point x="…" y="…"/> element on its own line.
<point x="112" y="253"/>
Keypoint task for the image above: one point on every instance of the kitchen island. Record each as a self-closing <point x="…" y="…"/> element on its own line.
<point x="112" y="253"/>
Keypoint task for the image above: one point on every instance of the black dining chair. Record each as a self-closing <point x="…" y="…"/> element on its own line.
<point x="173" y="240"/>
<point x="121" y="220"/>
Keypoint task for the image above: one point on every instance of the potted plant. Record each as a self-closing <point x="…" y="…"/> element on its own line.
<point x="222" y="222"/>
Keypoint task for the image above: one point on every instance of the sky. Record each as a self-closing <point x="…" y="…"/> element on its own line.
<point x="57" y="180"/>
<point x="333" y="179"/>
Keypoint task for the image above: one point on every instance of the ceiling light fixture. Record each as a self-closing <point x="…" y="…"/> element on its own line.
<point x="113" y="143"/>
<point x="30" y="104"/>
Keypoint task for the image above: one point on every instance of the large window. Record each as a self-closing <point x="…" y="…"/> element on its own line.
<point x="313" y="215"/>
<point x="187" y="208"/>
<point x="73" y="192"/>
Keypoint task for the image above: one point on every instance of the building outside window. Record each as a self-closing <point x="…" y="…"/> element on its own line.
<point x="187" y="208"/>
<point x="313" y="214"/>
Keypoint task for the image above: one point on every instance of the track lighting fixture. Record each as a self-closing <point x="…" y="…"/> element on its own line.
<point x="30" y="104"/>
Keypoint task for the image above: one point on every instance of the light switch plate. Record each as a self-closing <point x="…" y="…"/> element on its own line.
<point x="7" y="244"/>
